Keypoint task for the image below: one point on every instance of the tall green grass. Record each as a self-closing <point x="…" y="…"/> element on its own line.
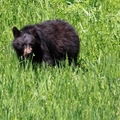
<point x="90" y="91"/>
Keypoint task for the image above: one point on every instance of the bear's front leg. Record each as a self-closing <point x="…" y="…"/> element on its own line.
<point x="48" y="59"/>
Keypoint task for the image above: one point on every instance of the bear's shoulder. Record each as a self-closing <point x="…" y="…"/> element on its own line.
<point x="27" y="28"/>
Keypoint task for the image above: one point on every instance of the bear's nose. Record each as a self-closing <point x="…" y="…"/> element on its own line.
<point x="27" y="50"/>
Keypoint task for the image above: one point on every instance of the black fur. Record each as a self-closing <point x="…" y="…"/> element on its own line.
<point x="50" y="41"/>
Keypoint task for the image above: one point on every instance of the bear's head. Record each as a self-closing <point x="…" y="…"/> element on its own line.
<point x="24" y="42"/>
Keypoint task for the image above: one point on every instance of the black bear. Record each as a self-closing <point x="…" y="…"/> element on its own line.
<point x="50" y="41"/>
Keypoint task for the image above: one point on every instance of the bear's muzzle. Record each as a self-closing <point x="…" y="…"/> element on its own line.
<point x="27" y="50"/>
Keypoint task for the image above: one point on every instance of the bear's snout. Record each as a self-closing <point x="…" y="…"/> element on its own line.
<point x="27" y="50"/>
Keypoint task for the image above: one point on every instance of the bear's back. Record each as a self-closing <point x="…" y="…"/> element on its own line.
<point x="58" y="31"/>
<point x="56" y="26"/>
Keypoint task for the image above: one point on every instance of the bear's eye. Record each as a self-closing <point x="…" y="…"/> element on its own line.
<point x="31" y="44"/>
<point x="23" y="45"/>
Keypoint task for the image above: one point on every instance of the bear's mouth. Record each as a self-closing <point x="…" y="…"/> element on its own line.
<point x="27" y="51"/>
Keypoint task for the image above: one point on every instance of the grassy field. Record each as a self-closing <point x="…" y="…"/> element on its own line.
<point x="90" y="91"/>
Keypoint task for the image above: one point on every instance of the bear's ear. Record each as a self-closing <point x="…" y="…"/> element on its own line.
<point x="16" y="32"/>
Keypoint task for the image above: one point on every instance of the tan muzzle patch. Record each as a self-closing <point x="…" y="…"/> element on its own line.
<point x="27" y="50"/>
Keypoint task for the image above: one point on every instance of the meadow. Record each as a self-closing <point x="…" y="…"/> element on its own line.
<point x="89" y="91"/>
